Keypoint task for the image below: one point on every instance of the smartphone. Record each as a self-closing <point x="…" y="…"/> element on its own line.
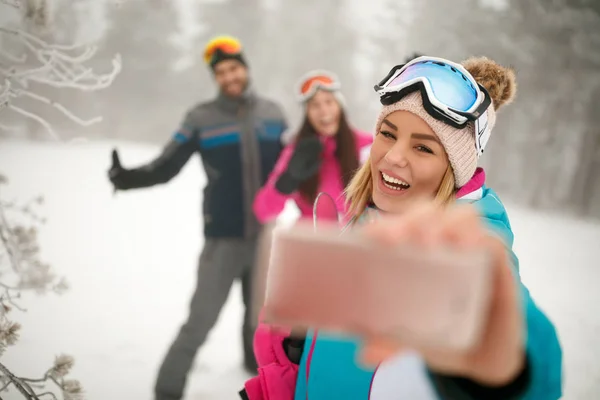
<point x="349" y="284"/>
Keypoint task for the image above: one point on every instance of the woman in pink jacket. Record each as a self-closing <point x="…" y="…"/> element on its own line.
<point x="322" y="157"/>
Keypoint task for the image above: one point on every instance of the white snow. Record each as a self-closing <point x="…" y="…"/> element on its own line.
<point x="131" y="261"/>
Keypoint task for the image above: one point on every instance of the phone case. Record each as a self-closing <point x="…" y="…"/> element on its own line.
<point x="352" y="285"/>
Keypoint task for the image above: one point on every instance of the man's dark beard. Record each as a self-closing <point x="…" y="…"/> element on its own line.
<point x="244" y="88"/>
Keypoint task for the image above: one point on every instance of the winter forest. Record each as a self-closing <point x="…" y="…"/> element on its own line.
<point x="79" y="77"/>
<point x="545" y="153"/>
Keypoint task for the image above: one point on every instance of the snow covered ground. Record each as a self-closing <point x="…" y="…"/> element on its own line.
<point x="131" y="261"/>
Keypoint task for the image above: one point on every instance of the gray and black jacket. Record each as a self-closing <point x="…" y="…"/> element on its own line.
<point x="239" y="141"/>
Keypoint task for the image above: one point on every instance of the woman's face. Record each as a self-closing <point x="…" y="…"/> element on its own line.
<point x="407" y="162"/>
<point x="323" y="112"/>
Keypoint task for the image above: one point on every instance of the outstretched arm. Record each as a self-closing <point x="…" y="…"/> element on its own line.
<point x="541" y="377"/>
<point x="168" y="164"/>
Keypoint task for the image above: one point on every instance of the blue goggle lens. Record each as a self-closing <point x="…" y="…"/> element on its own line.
<point x="449" y="85"/>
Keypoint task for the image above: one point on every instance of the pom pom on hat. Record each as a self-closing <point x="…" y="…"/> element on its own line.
<point x="500" y="82"/>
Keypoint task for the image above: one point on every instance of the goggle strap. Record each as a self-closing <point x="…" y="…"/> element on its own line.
<point x="382" y="83"/>
<point x="393" y="97"/>
<point x="220" y="52"/>
<point x="303" y="97"/>
<point x="482" y="133"/>
<point x="317" y="83"/>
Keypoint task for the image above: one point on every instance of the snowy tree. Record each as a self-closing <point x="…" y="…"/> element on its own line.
<point x="38" y="61"/>
<point x="21" y="270"/>
<point x="29" y="60"/>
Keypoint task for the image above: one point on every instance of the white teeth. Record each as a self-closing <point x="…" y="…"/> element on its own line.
<point x="387" y="185"/>
<point x="391" y="179"/>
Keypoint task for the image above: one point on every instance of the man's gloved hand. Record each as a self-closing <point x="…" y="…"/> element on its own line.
<point x="117" y="174"/>
<point x="305" y="162"/>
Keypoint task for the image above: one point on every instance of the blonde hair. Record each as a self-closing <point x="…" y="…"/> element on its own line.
<point x="359" y="192"/>
<point x="446" y="193"/>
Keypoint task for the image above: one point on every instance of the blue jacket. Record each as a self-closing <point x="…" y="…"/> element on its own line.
<point x="239" y="141"/>
<point x="328" y="369"/>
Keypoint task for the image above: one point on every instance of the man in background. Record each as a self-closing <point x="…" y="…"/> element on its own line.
<point x="238" y="136"/>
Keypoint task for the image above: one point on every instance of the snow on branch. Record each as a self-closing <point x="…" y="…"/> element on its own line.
<point x="55" y="65"/>
<point x="22" y="270"/>
<point x="13" y="3"/>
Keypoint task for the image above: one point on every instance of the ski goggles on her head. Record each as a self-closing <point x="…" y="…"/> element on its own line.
<point x="315" y="80"/>
<point x="224" y="44"/>
<point x="449" y="92"/>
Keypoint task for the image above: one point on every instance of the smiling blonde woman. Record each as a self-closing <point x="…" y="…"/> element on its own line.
<point x="435" y="123"/>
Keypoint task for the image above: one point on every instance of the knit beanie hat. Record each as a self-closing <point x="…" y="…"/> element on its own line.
<point x="460" y="144"/>
<point x="221" y="48"/>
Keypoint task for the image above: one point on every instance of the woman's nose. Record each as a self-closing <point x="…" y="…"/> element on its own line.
<point x="397" y="155"/>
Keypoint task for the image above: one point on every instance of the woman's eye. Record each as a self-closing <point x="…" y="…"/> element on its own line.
<point x="387" y="135"/>
<point x="424" y="149"/>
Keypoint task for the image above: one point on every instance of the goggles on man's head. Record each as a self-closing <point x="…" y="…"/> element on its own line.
<point x="224" y="44"/>
<point x="315" y="80"/>
<point x="449" y="92"/>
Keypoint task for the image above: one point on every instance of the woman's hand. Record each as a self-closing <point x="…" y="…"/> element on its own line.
<point x="500" y="356"/>
<point x="304" y="163"/>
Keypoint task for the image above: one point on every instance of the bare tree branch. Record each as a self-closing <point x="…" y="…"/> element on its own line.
<point x="6" y="385"/>
<point x="58" y="66"/>
<point x="8" y="242"/>
<point x="37" y="118"/>
<point x="52" y="395"/>
<point x="6" y="297"/>
<point x="12" y="3"/>
<point x="21" y="387"/>
<point x="20" y="245"/>
<point x="61" y="67"/>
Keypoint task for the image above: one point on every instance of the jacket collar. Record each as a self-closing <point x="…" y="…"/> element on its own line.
<point x="474" y="188"/>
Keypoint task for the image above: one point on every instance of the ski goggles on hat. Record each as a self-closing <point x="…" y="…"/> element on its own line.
<point x="449" y="92"/>
<point x="224" y="44"/>
<point x="315" y="80"/>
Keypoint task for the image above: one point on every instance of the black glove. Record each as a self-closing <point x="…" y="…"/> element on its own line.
<point x="117" y="174"/>
<point x="305" y="162"/>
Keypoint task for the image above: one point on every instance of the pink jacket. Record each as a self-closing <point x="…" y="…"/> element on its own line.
<point x="276" y="378"/>
<point x="268" y="202"/>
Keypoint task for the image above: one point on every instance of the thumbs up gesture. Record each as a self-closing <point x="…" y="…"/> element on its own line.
<point x="116" y="164"/>
<point x="116" y="173"/>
